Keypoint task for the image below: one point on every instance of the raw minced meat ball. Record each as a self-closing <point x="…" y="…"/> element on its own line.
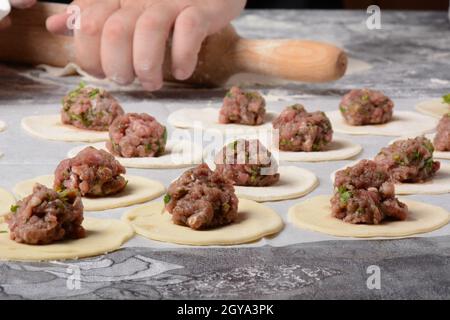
<point x="202" y="199"/>
<point x="241" y="107"/>
<point x="46" y="216"/>
<point x="409" y="160"/>
<point x="442" y="138"/>
<point x="90" y="108"/>
<point x="137" y="135"/>
<point x="94" y="173"/>
<point x="247" y="163"/>
<point x="363" y="194"/>
<point x="364" y="106"/>
<point x="299" y="130"/>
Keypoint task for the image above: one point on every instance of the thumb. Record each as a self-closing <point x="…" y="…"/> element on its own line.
<point x="57" y="24"/>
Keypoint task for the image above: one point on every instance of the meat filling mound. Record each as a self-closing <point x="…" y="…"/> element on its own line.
<point x="137" y="135"/>
<point x="94" y="173"/>
<point x="300" y="130"/>
<point x="247" y="163"/>
<point x="247" y="108"/>
<point x="442" y="137"/>
<point x="364" y="107"/>
<point x="202" y="199"/>
<point x="409" y="160"/>
<point x="90" y="108"/>
<point x="363" y="194"/>
<point x="46" y="216"/>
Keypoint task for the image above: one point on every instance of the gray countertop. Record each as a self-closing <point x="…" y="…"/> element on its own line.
<point x="410" y="61"/>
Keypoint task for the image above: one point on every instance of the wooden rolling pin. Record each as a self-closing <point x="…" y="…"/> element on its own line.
<point x="222" y="55"/>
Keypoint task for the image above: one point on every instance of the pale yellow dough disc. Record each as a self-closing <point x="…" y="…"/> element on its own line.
<point x="138" y="190"/>
<point x="440" y="184"/>
<point x="255" y="222"/>
<point x="179" y="154"/>
<point x="315" y="214"/>
<point x="50" y="127"/>
<point x="435" y="108"/>
<point x="208" y="119"/>
<point x="102" y="236"/>
<point x="294" y="183"/>
<point x="338" y="149"/>
<point x="2" y="126"/>
<point x="403" y="123"/>
<point x="6" y="201"/>
<point x="436" y="154"/>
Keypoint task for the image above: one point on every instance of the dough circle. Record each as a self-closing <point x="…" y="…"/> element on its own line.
<point x="435" y="108"/>
<point x="207" y="119"/>
<point x="294" y="183"/>
<point x="2" y="126"/>
<point x="255" y="222"/>
<point x="403" y="123"/>
<point x="315" y="214"/>
<point x="6" y="201"/>
<point x="436" y="154"/>
<point x="439" y="184"/>
<point x="179" y="154"/>
<point x="338" y="149"/>
<point x="50" y="127"/>
<point x="138" y="190"/>
<point x="102" y="236"/>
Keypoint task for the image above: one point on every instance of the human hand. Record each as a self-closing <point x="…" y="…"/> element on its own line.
<point x="21" y="4"/>
<point x="125" y="39"/>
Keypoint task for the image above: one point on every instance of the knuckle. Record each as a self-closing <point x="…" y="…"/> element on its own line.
<point x="189" y="22"/>
<point x="114" y="29"/>
<point x="151" y="22"/>
<point x="89" y="26"/>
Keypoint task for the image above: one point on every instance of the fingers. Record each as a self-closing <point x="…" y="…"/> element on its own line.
<point x="191" y="29"/>
<point x="149" y="45"/>
<point x="88" y="38"/>
<point x="117" y="45"/>
<point x="22" y="4"/>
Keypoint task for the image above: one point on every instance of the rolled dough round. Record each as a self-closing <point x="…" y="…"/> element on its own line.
<point x="6" y="201"/>
<point x="50" y="127"/>
<point x="435" y="108"/>
<point x="179" y="154"/>
<point x="102" y="236"/>
<point x="138" y="190"/>
<point x="2" y="126"/>
<point x="338" y="149"/>
<point x="255" y="222"/>
<point x="440" y="184"/>
<point x="208" y="119"/>
<point x="294" y="183"/>
<point x="403" y="123"/>
<point x="315" y="214"/>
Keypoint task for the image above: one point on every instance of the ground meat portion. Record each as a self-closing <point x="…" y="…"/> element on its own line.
<point x="247" y="163"/>
<point x="247" y="108"/>
<point x="300" y="130"/>
<point x="409" y="160"/>
<point x="46" y="216"/>
<point x="363" y="106"/>
<point x="90" y="108"/>
<point x="94" y="173"/>
<point x="364" y="194"/>
<point x="442" y="137"/>
<point x="202" y="199"/>
<point x="137" y="135"/>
